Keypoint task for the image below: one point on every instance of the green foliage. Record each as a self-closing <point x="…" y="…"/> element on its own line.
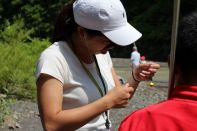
<point x="155" y="43"/>
<point x="17" y="62"/>
<point x="36" y="13"/>
<point x="151" y="17"/>
<point x="15" y="32"/>
<point x="18" y="55"/>
<point x="4" y="108"/>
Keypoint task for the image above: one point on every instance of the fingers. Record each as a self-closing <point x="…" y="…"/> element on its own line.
<point x="150" y="65"/>
<point x="146" y="75"/>
<point x="128" y="89"/>
<point x="146" y="71"/>
<point x="152" y="70"/>
<point x="126" y="85"/>
<point x="122" y="96"/>
<point x="124" y="103"/>
<point x="154" y="65"/>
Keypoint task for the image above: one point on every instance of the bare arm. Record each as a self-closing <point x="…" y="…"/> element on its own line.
<point x="132" y="83"/>
<point x="141" y="72"/>
<point x="50" y="93"/>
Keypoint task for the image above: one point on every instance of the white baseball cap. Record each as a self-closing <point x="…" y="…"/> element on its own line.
<point x="108" y="17"/>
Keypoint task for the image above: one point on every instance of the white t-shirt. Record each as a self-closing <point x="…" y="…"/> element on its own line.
<point x="59" y="61"/>
<point x="135" y="58"/>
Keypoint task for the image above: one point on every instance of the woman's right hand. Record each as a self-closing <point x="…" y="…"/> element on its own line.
<point x="119" y="97"/>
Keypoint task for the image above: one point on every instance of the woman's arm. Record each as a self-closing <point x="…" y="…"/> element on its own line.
<point x="144" y="72"/>
<point x="141" y="72"/>
<point x="50" y="94"/>
<point x="132" y="83"/>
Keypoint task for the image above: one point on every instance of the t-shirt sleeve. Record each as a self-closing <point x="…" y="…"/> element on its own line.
<point x="109" y="60"/>
<point x="105" y="64"/>
<point x="50" y="64"/>
<point x="104" y="60"/>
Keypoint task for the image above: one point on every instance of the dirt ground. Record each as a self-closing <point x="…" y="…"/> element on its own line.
<point x="25" y="116"/>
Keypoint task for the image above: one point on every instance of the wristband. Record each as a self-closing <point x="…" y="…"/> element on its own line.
<point x="134" y="77"/>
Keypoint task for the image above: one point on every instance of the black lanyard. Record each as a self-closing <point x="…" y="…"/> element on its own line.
<point x="107" y="124"/>
<point x="93" y="80"/>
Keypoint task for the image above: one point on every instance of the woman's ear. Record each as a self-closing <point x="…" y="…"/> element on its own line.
<point x="81" y="32"/>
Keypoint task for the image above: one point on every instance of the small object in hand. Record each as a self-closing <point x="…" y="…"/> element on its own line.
<point x="151" y="84"/>
<point x="122" y="81"/>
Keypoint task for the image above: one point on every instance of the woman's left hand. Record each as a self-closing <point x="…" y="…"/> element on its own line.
<point x="145" y="71"/>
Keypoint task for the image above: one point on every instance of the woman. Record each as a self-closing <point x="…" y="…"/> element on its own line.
<point x="76" y="82"/>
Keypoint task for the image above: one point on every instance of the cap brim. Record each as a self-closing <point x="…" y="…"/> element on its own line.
<point x="123" y="36"/>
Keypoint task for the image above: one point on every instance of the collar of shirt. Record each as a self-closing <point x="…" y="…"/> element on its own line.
<point x="187" y="92"/>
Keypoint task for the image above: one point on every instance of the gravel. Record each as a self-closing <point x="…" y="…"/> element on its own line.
<point x="25" y="116"/>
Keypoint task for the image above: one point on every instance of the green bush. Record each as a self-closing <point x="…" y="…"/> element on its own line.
<point x="17" y="62"/>
<point x="18" y="55"/>
<point x="15" y="33"/>
<point x="4" y="108"/>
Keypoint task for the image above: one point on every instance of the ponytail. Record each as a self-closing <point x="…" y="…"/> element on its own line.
<point x="65" y="24"/>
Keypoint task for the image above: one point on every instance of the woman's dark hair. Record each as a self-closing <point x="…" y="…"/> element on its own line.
<point x="66" y="25"/>
<point x="186" y="52"/>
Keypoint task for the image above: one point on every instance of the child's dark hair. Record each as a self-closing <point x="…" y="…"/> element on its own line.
<point x="186" y="52"/>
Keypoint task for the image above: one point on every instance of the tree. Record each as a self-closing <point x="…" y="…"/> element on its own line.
<point x="151" y="17"/>
<point x="39" y="14"/>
